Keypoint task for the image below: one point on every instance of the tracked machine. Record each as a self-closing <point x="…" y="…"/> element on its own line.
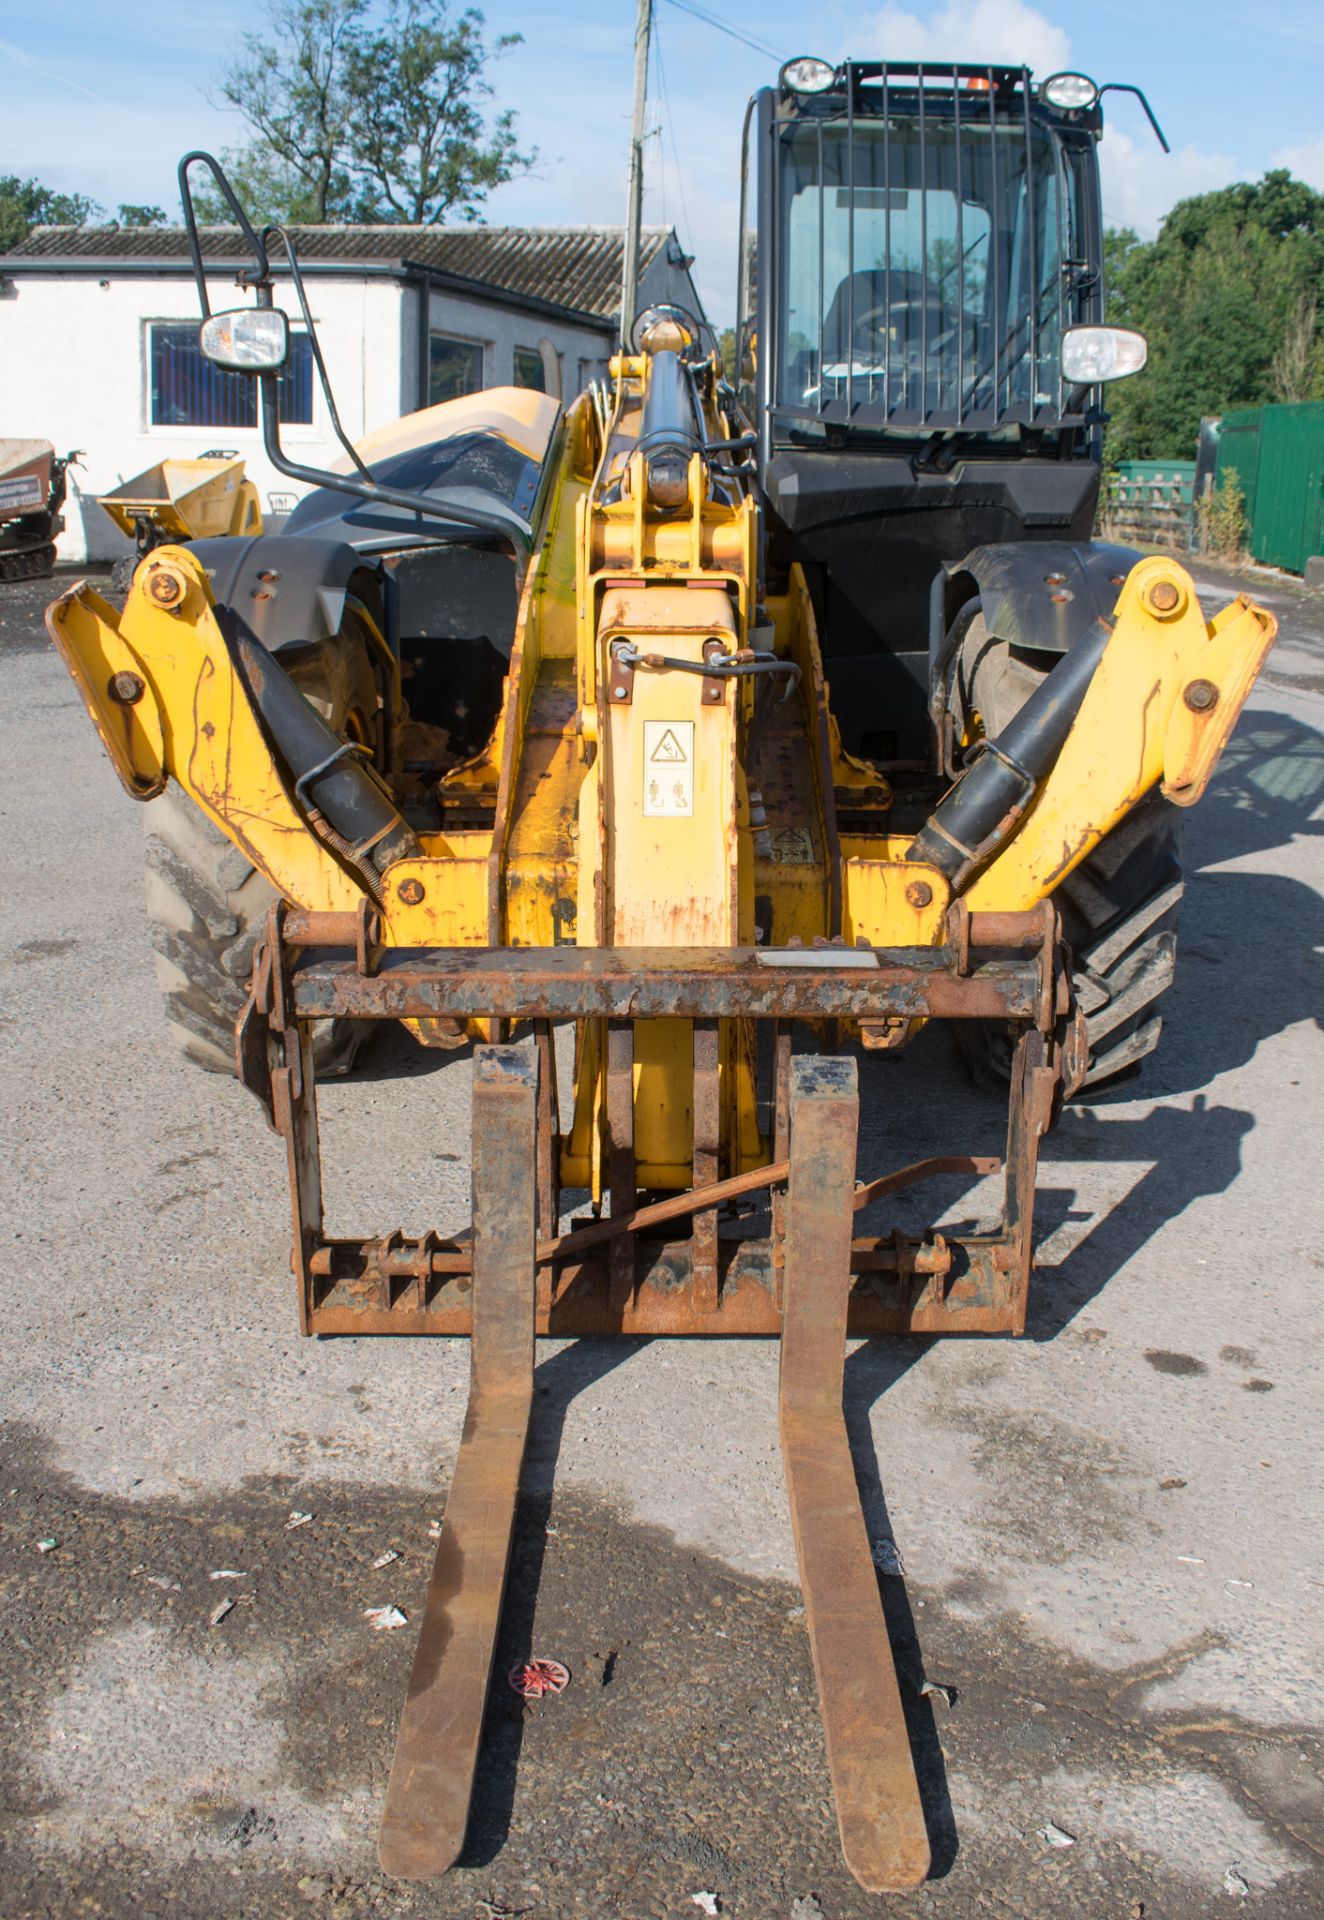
<point x="746" y="726"/>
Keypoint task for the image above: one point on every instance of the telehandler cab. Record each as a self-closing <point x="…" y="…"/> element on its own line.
<point x="738" y="728"/>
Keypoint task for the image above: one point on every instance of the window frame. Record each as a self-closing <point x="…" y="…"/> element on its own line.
<point x="305" y="430"/>
<point x="529" y="353"/>
<point x="481" y="347"/>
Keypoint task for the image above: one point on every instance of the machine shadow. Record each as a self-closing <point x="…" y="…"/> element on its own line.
<point x="870" y="1371"/>
<point x="1250" y="952"/>
<point x="556" y="1383"/>
<point x="1249" y="944"/>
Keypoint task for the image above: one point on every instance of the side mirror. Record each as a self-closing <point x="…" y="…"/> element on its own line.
<point x="246" y="339"/>
<point x="1101" y="353"/>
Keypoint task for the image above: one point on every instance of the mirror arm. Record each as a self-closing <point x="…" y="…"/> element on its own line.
<point x="1121" y="86"/>
<point x="507" y="527"/>
<point x="314" y="343"/>
<point x="504" y="526"/>
<point x="259" y="275"/>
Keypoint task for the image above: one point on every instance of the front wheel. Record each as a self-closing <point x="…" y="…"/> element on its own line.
<point x="207" y="906"/>
<point x="207" y="903"/>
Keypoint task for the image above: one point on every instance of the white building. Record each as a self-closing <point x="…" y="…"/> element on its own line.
<point x="98" y="339"/>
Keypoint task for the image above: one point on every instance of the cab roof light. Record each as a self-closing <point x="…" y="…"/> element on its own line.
<point x="1072" y="92"/>
<point x="807" y="74"/>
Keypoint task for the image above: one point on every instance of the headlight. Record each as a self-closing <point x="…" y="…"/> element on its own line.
<point x="246" y="340"/>
<point x="1101" y="353"/>
<point x="807" y="75"/>
<point x="1071" y="91"/>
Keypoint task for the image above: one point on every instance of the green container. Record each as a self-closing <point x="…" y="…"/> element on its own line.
<point x="1160" y="473"/>
<point x="1278" y="454"/>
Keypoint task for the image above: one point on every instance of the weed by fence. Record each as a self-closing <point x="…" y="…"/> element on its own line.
<point x="1220" y="516"/>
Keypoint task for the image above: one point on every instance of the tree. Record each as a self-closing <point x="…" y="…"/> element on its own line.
<point x="130" y="214"/>
<point x="1296" y="365"/>
<point x="292" y="91"/>
<point x="366" y="111"/>
<point x="1227" y="298"/>
<point x="420" y="146"/>
<point x="25" y="204"/>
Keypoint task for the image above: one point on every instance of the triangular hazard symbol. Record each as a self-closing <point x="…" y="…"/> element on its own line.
<point x="668" y="750"/>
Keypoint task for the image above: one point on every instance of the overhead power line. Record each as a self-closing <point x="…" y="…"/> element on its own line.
<point x="732" y="33"/>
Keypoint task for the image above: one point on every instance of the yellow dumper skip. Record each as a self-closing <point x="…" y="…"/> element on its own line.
<point x="187" y="500"/>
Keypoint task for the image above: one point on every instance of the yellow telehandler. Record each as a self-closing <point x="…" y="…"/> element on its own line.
<point x="743" y="726"/>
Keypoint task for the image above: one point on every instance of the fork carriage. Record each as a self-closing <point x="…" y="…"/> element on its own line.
<point x="663" y="1268"/>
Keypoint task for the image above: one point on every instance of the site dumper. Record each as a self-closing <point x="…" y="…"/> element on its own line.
<point x="743" y="730"/>
<point x="32" y="490"/>
<point x="185" y="500"/>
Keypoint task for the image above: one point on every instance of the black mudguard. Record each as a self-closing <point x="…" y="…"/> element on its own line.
<point x="1042" y="595"/>
<point x="289" y="589"/>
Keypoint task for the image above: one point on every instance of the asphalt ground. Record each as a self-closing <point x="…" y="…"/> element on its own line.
<point x="1111" y="1531"/>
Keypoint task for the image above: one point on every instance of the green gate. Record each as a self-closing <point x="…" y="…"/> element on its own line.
<point x="1278" y="454"/>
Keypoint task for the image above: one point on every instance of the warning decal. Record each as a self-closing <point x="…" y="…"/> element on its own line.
<point x="668" y="769"/>
<point x="668" y="750"/>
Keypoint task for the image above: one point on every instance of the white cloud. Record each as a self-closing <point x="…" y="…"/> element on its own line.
<point x="972" y="30"/>
<point x="1140" y="181"/>
<point x="1305" y="161"/>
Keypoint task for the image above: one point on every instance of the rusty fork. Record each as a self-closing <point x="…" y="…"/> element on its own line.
<point x="883" y="1833"/>
<point x="428" y="1797"/>
<point x="436" y="1750"/>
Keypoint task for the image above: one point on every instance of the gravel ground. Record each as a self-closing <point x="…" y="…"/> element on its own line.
<point x="1110" y="1530"/>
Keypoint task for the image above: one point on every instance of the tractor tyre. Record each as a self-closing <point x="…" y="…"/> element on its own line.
<point x="1119" y="907"/>
<point x="206" y="908"/>
<point x="207" y="903"/>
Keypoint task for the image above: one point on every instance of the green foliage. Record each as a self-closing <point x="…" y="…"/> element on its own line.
<point x="419" y="145"/>
<point x="1220" y="518"/>
<point x="1225" y="295"/>
<point x="25" y="204"/>
<point x="269" y="190"/>
<point x="130" y="214"/>
<point x="367" y="112"/>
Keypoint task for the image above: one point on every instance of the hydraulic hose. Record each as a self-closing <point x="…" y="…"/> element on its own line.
<point x="345" y="802"/>
<point x="985" y="806"/>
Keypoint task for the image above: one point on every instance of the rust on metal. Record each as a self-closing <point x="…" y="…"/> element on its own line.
<point x="1164" y="597"/>
<point x="883" y="1835"/>
<point x="166" y="585"/>
<point x="436" y="1751"/>
<point x="127" y="689"/>
<point x="707" y="1143"/>
<point x="620" y="1151"/>
<point x="637" y="983"/>
<point x="1201" y="696"/>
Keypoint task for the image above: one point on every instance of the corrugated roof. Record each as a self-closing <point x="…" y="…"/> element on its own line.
<point x="577" y="267"/>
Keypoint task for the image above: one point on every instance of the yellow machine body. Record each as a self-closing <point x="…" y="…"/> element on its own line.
<point x="625" y="805"/>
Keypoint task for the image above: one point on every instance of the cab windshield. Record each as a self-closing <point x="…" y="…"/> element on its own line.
<point x="924" y="272"/>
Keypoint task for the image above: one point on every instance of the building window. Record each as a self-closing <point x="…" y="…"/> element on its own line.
<point x="455" y="367"/>
<point x="529" y="369"/>
<point x="188" y="391"/>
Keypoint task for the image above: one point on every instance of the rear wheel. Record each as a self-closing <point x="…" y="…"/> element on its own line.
<point x="1119" y="907"/>
<point x="207" y="903"/>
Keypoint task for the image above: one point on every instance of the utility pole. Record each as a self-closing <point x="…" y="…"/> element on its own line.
<point x="634" y="211"/>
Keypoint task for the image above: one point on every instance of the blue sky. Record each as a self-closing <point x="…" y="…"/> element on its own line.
<point x="100" y="99"/>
